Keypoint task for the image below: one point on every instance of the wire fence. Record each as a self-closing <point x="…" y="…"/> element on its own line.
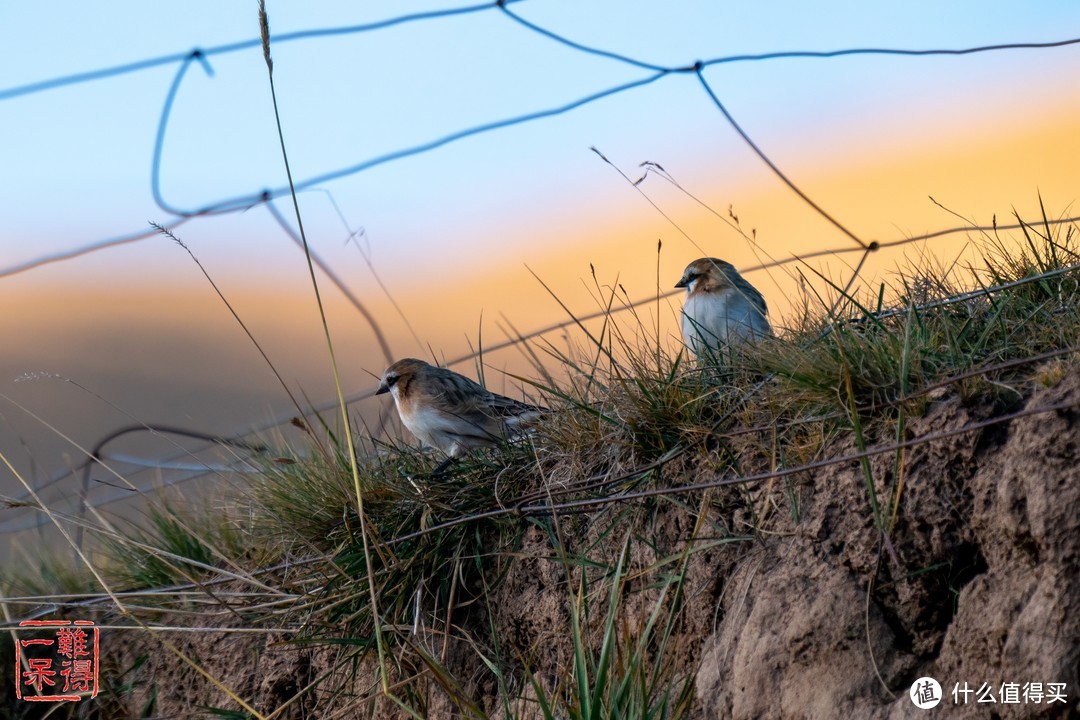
<point x="185" y="464"/>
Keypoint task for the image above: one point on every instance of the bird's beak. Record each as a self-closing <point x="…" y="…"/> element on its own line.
<point x="681" y="283"/>
<point x="383" y="388"/>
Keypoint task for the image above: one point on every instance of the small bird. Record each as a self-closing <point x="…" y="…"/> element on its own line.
<point x="721" y="307"/>
<point x="450" y="412"/>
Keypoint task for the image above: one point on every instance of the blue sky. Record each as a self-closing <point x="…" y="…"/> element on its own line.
<point x="81" y="166"/>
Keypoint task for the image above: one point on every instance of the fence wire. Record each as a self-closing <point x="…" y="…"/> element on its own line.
<point x="187" y="464"/>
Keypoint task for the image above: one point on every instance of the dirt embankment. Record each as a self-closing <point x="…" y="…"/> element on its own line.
<point x="983" y="585"/>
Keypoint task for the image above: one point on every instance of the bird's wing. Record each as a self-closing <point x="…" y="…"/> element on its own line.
<point x="746" y="318"/>
<point x="508" y="408"/>
<point x="468" y="403"/>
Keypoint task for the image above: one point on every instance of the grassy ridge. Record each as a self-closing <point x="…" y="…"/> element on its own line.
<point x="591" y="500"/>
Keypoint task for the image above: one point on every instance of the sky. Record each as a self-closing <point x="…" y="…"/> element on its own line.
<point x="448" y="246"/>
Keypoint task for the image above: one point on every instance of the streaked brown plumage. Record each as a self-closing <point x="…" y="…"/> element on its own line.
<point x="450" y="412"/>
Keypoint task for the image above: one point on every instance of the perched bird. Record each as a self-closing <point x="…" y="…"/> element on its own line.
<point x="449" y="411"/>
<point x="721" y="307"/>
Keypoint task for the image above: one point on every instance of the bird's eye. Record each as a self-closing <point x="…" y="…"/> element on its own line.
<point x="391" y="380"/>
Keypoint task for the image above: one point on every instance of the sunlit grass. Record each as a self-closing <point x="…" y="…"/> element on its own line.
<point x="632" y="421"/>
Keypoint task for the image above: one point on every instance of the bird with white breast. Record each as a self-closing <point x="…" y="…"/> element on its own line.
<point x="721" y="308"/>
<point x="448" y="411"/>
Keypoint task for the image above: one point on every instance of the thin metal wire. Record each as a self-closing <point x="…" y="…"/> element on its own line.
<point x="657" y="72"/>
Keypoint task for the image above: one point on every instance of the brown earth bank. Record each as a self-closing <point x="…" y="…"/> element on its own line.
<point x="789" y="606"/>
